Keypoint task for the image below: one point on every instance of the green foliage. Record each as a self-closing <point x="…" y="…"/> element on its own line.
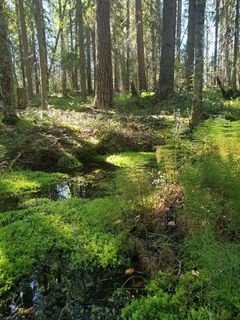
<point x="130" y="159"/>
<point x="81" y="230"/>
<point x="22" y="182"/>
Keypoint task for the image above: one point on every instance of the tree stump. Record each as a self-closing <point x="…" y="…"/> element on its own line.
<point x="21" y="98"/>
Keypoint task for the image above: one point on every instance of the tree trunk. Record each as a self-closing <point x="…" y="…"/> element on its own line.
<point x="236" y="47"/>
<point x="216" y="40"/>
<point x="94" y="57"/>
<point x="116" y="60"/>
<point x="140" y="46"/>
<point x="166" y="82"/>
<point x="190" y="50"/>
<point x="104" y="84"/>
<point x="128" y="47"/>
<point x="40" y="26"/>
<point x="82" y="51"/>
<point x="179" y="30"/>
<point x="6" y="73"/>
<point x="35" y="62"/>
<point x="26" y="55"/>
<point x="89" y="69"/>
<point x="63" y="49"/>
<point x="199" y="63"/>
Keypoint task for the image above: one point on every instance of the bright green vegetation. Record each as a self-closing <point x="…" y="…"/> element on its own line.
<point x="22" y="182"/>
<point x="176" y="222"/>
<point x="208" y="287"/>
<point x="130" y="159"/>
<point x="80" y="231"/>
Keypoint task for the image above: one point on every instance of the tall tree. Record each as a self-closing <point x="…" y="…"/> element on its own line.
<point x="217" y="8"/>
<point x="6" y="72"/>
<point x="179" y="29"/>
<point x="61" y="12"/>
<point x="40" y="26"/>
<point x="26" y="54"/>
<point x="236" y="46"/>
<point x="166" y="81"/>
<point x="79" y="9"/>
<point x="199" y="63"/>
<point x="189" y="59"/>
<point x="89" y="68"/>
<point x="140" y="46"/>
<point x="104" y="82"/>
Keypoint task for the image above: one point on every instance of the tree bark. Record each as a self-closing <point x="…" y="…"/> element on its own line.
<point x="179" y="30"/>
<point x="166" y="81"/>
<point x="236" y="47"/>
<point x="63" y="49"/>
<point x="128" y="47"/>
<point x="89" y="69"/>
<point x="199" y="63"/>
<point x="140" y="47"/>
<point x="26" y="54"/>
<point x="190" y="50"/>
<point x="216" y="40"/>
<point x="82" y="51"/>
<point x="40" y="26"/>
<point x="7" y="91"/>
<point x="104" y="83"/>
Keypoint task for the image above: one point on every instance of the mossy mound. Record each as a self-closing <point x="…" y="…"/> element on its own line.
<point x="82" y="232"/>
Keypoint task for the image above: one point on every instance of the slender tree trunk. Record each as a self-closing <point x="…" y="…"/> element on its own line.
<point x="94" y="57"/>
<point x="89" y="69"/>
<point x="236" y="47"/>
<point x="40" y="26"/>
<point x="35" y="62"/>
<point x="104" y="84"/>
<point x="26" y="56"/>
<point x="115" y="61"/>
<point x="128" y="47"/>
<point x="140" y="47"/>
<point x="166" y="82"/>
<point x="63" y="49"/>
<point x="190" y="50"/>
<point x="6" y="73"/>
<point x="82" y="51"/>
<point x="179" y="29"/>
<point x="76" y="85"/>
<point x="216" y="40"/>
<point x="199" y="63"/>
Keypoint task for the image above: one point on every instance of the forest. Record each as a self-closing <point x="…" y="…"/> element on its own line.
<point x="119" y="160"/>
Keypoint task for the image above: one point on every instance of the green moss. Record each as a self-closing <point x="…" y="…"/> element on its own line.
<point x="24" y="182"/>
<point x="130" y="159"/>
<point x="69" y="163"/>
<point x="83" y="231"/>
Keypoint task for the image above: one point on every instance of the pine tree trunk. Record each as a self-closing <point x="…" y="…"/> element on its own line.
<point x="35" y="62"/>
<point x="6" y="73"/>
<point x="179" y="29"/>
<point x="128" y="47"/>
<point x="63" y="50"/>
<point x="216" y="40"/>
<point x="26" y="55"/>
<point x="116" y="60"/>
<point x="40" y="26"/>
<point x="190" y="50"/>
<point x="104" y="83"/>
<point x="89" y="69"/>
<point x="199" y="63"/>
<point x="236" y="47"/>
<point x="140" y="47"/>
<point x="166" y="82"/>
<point x="82" y="51"/>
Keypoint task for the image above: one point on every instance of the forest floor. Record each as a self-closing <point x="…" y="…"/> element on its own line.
<point x="121" y="214"/>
